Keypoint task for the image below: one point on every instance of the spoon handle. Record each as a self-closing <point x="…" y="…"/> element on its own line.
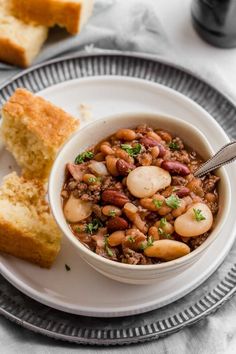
<point x="225" y="155"/>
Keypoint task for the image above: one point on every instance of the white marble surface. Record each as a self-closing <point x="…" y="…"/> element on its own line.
<point x="217" y="333"/>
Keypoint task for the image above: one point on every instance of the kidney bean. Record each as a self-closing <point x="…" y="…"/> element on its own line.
<point x="117" y="223"/>
<point x="149" y="142"/>
<point x="175" y="167"/>
<point x="162" y="150"/>
<point x="183" y="192"/>
<point x="124" y="167"/>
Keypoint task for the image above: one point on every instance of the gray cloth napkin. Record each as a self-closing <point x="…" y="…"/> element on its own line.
<point x="141" y="31"/>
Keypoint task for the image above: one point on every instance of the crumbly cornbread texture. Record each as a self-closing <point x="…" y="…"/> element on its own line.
<point x="33" y="130"/>
<point x="71" y="14"/>
<point x="27" y="229"/>
<point x="20" y="42"/>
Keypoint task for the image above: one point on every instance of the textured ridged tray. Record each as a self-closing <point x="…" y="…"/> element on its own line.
<point x="193" y="307"/>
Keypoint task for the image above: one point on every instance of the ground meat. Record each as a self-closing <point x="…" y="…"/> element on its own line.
<point x="178" y="142"/>
<point x="132" y="257"/>
<point x="179" y="181"/>
<point x="195" y="242"/>
<point x="210" y="183"/>
<point x="110" y="182"/>
<point x="181" y="156"/>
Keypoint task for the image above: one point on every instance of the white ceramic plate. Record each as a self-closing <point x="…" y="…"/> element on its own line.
<point x="82" y="290"/>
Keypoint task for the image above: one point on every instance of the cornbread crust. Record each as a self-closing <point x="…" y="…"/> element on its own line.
<point x="12" y="53"/>
<point x="19" y="42"/>
<point x="48" y="122"/>
<point x="33" y="130"/>
<point x="71" y="14"/>
<point x="27" y="229"/>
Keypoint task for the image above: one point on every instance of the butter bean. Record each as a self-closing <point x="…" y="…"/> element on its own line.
<point x="167" y="250"/>
<point x="187" y="224"/>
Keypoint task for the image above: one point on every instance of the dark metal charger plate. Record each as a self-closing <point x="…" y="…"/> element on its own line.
<point x="152" y="325"/>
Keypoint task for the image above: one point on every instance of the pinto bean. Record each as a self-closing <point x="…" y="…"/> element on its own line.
<point x="111" y="210"/>
<point x="195" y="185"/>
<point x="153" y="232"/>
<point x="155" y="152"/>
<point x="126" y="134"/>
<point x="175" y="167"/>
<point x="106" y="149"/>
<point x="116" y="238"/>
<point x="154" y="136"/>
<point x="164" y="135"/>
<point x="111" y="165"/>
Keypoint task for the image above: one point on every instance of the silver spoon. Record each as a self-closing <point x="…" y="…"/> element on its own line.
<point x="225" y="155"/>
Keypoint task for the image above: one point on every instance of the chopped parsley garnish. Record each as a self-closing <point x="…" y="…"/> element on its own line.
<point x="87" y="155"/>
<point x="107" y="248"/>
<point x="67" y="268"/>
<point x="149" y="243"/>
<point x="157" y="203"/>
<point x="112" y="213"/>
<point x="92" y="179"/>
<point x="173" y="145"/>
<point x="163" y="233"/>
<point x="198" y="215"/>
<point x="131" y="239"/>
<point x="163" y="222"/>
<point x="132" y="151"/>
<point x="173" y="201"/>
<point x="93" y="226"/>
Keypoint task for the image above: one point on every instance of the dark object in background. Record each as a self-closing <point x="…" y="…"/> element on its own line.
<point x="215" y="21"/>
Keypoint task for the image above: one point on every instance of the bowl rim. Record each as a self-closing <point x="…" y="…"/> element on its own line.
<point x="158" y="266"/>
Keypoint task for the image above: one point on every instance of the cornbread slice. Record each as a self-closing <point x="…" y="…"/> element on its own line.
<point x="71" y="14"/>
<point x="19" y="42"/>
<point x="27" y="229"/>
<point x="33" y="130"/>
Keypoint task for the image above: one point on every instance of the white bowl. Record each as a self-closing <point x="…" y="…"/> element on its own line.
<point x="92" y="134"/>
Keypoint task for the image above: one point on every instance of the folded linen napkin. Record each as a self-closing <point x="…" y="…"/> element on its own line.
<point x="141" y="31"/>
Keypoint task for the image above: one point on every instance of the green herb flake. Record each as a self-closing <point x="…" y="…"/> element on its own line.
<point x="198" y="215"/>
<point x="87" y="155"/>
<point x="67" y="267"/>
<point x="107" y="248"/>
<point x="132" y="151"/>
<point x="93" y="226"/>
<point x="92" y="180"/>
<point x="163" y="233"/>
<point x="173" y="201"/>
<point x="112" y="213"/>
<point x="163" y="222"/>
<point x="147" y="243"/>
<point x="150" y="241"/>
<point x="157" y="203"/>
<point x="131" y="239"/>
<point x="173" y="145"/>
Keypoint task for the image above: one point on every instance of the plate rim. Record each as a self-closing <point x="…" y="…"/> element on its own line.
<point x="166" y="331"/>
<point x="107" y="311"/>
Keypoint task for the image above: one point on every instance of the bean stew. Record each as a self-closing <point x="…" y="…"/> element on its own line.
<point x="133" y="197"/>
